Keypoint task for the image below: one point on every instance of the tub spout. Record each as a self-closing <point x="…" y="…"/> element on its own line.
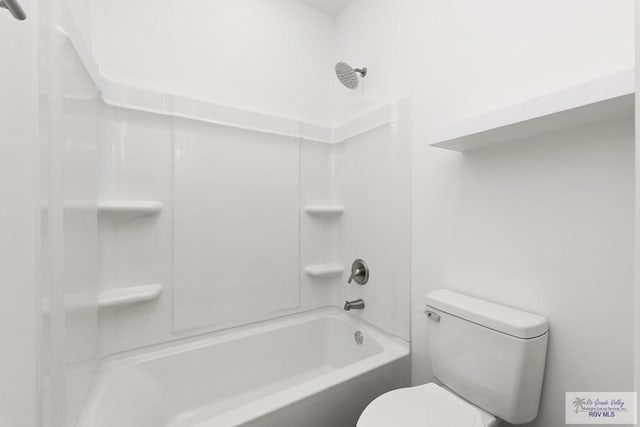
<point x="357" y="304"/>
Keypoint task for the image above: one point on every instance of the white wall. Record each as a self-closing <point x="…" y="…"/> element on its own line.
<point x="375" y="34"/>
<point x="18" y="219"/>
<point x="267" y="56"/>
<point x="464" y="57"/>
<point x="544" y="225"/>
<point x="81" y="12"/>
<point x="518" y="226"/>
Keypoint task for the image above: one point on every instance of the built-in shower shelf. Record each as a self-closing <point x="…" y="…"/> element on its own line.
<point x="113" y="298"/>
<point x="324" y="270"/>
<point x="597" y="101"/>
<point x="129" y="208"/>
<point x="120" y="297"/>
<point x="324" y="209"/>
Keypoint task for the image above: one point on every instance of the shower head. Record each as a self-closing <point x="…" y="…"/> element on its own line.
<point x="349" y="76"/>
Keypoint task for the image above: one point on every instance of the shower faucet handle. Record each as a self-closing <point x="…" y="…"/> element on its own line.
<point x="359" y="272"/>
<point x="354" y="274"/>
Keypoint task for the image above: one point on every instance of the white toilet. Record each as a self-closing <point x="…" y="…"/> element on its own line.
<point x="489" y="358"/>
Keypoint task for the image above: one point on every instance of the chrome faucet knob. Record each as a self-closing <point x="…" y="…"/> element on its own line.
<point x="359" y="272"/>
<point x="355" y="273"/>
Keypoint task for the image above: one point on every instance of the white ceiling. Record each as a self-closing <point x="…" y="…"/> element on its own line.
<point x="330" y="7"/>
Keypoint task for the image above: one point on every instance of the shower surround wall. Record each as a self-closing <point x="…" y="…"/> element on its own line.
<point x="226" y="245"/>
<point x="226" y="238"/>
<point x="70" y="116"/>
<point x="233" y="239"/>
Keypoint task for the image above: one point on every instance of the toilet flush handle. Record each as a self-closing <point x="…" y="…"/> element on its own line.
<point x="432" y="315"/>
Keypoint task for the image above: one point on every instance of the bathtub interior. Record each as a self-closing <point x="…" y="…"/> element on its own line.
<point x="211" y="377"/>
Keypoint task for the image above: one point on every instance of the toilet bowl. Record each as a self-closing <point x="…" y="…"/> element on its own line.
<point x="489" y="358"/>
<point x="427" y="405"/>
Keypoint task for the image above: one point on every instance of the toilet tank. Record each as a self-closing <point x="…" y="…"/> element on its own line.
<point x="491" y="355"/>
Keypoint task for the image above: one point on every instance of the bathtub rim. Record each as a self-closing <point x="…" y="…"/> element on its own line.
<point x="207" y="338"/>
<point x="393" y="349"/>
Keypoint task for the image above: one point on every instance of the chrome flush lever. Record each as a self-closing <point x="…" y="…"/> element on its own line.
<point x="14" y="8"/>
<point x="432" y="315"/>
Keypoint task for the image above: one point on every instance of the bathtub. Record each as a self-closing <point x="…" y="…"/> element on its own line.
<point x="298" y="371"/>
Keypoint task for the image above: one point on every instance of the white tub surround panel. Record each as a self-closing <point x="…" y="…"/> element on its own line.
<point x="135" y="238"/>
<point x="252" y="374"/>
<point x="70" y="119"/>
<point x="236" y="225"/>
<point x="73" y="138"/>
<point x="318" y="231"/>
<point x="365" y="122"/>
<point x="79" y="183"/>
<point x="134" y="233"/>
<point x="138" y="158"/>
<point x="198" y="170"/>
<point x="374" y="181"/>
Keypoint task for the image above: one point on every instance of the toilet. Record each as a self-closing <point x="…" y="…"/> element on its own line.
<point x="489" y="360"/>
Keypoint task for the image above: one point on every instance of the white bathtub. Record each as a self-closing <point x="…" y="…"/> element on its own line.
<point x="299" y="371"/>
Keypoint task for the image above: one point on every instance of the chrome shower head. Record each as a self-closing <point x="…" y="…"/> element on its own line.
<point x="349" y="76"/>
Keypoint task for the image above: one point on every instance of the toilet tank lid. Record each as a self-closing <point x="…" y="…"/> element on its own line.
<point x="510" y="321"/>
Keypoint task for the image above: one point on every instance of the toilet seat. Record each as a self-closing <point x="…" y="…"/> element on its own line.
<point x="427" y="405"/>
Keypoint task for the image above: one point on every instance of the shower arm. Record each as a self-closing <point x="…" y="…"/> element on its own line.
<point x="362" y="71"/>
<point x="14" y="8"/>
